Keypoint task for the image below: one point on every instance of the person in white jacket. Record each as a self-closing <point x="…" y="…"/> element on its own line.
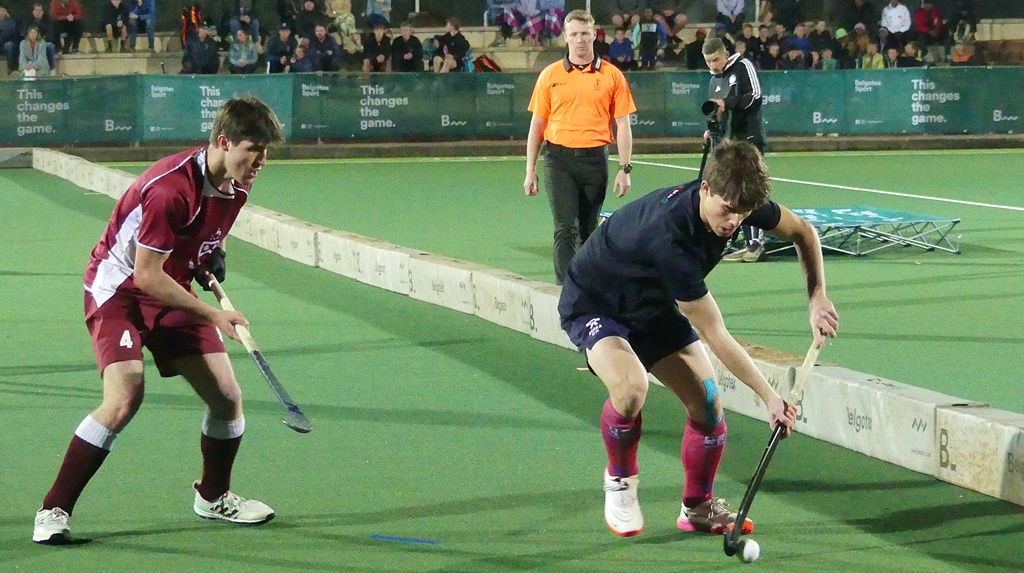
<point x="896" y="19"/>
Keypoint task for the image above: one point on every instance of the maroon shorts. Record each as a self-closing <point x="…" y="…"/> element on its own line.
<point x="127" y="322"/>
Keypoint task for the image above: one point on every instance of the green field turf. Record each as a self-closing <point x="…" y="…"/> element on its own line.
<point x="437" y="426"/>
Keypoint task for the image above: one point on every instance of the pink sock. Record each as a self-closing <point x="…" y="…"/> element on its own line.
<point x="621" y="439"/>
<point x="701" y="454"/>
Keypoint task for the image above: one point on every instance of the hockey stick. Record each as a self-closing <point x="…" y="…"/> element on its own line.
<point x="732" y="535"/>
<point x="294" y="418"/>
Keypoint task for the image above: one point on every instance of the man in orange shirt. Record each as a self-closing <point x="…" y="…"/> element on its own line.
<point x="573" y="105"/>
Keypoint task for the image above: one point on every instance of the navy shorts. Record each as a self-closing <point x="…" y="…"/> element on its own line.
<point x="651" y="341"/>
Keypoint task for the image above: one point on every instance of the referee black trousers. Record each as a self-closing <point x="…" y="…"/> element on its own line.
<point x="576" y="181"/>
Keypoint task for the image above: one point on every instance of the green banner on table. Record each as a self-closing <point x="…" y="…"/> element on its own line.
<point x="87" y="110"/>
<point x="182" y="108"/>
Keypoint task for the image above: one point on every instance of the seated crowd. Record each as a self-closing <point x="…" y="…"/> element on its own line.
<point x="324" y="36"/>
<point x="313" y="35"/>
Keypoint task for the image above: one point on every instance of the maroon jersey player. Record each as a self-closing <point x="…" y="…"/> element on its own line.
<point x="169" y="227"/>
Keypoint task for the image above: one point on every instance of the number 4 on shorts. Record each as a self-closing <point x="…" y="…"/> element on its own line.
<point x="126" y="340"/>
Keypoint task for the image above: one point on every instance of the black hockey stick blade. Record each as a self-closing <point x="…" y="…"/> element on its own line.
<point x="294" y="417"/>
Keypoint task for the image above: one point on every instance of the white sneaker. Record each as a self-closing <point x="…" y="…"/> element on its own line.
<point x="621" y="507"/>
<point x="51" y="527"/>
<point x="230" y="507"/>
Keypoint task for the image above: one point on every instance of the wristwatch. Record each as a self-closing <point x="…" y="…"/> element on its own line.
<point x="626" y="168"/>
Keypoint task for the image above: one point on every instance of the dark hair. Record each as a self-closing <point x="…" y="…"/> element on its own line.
<point x="455" y="23"/>
<point x="737" y="173"/>
<point x="245" y="118"/>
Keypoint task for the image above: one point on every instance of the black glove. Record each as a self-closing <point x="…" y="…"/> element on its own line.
<point x="215" y="266"/>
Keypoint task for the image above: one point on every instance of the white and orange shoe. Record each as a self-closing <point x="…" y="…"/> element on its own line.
<point x="621" y="506"/>
<point x="712" y="516"/>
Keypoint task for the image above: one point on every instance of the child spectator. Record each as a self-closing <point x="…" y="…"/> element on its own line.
<point x="601" y="48"/>
<point x="406" y="51"/>
<point x="452" y="48"/>
<point x="960" y="55"/>
<point x="820" y="38"/>
<point x="752" y="43"/>
<point x="800" y="40"/>
<point x="694" y="51"/>
<point x="872" y="60"/>
<point x="242" y="57"/>
<point x="620" y="51"/>
<point x="42" y="22"/>
<point x="377" y="50"/>
<point x="299" y="63"/>
<point x="826" y="62"/>
<point x="770" y="60"/>
<point x="794" y="60"/>
<point x="911" y="56"/>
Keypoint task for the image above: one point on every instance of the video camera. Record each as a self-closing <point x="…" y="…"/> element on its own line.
<point x="716" y="128"/>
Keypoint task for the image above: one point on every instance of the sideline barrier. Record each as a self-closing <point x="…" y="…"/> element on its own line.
<point x="962" y="442"/>
<point x="468" y="106"/>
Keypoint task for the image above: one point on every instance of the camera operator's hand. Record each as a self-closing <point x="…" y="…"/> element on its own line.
<point x="721" y="104"/>
<point x="707" y="134"/>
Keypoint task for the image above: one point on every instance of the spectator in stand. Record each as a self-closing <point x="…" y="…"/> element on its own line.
<point x="44" y="25"/>
<point x="324" y="52"/>
<point x="32" y="59"/>
<point x="9" y="39"/>
<point x="620" y="51"/>
<point x="820" y="38"/>
<point x="892" y="56"/>
<point x="601" y="48"/>
<point x="300" y="64"/>
<point x="201" y="56"/>
<point x="846" y="51"/>
<point x="286" y="12"/>
<point x="114" y="20"/>
<point x="522" y="17"/>
<point x="142" y="12"/>
<point x="722" y="35"/>
<point x="626" y="13"/>
<point x="789" y="13"/>
<point x="911" y="56"/>
<point x="872" y="60"/>
<point x="377" y="50"/>
<point x="406" y="51"/>
<point x="960" y="55"/>
<point x="553" y="15"/>
<point x="675" y="19"/>
<point x="452" y="48"/>
<point x="770" y="60"/>
<point x="741" y="49"/>
<point x="896" y="19"/>
<point x="795" y="60"/>
<point x="340" y="11"/>
<point x="764" y="34"/>
<point x="66" y="16"/>
<point x="929" y="27"/>
<point x="765" y="12"/>
<point x="859" y="11"/>
<point x="753" y="44"/>
<point x="962" y="22"/>
<point x="694" y="51"/>
<point x="280" y="49"/>
<point x="800" y="41"/>
<point x="243" y="17"/>
<point x="650" y="37"/>
<point x="781" y="36"/>
<point x="243" y="56"/>
<point x="826" y="62"/>
<point x="378" y="12"/>
<point x="308" y="19"/>
<point x="861" y="38"/>
<point x="730" y="15"/>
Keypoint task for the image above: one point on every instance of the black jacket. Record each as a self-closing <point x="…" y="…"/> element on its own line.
<point x="738" y="85"/>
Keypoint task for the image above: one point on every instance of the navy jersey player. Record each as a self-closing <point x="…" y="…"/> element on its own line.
<point x="634" y="299"/>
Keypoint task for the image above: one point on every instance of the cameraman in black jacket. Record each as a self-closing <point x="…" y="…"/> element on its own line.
<point x="736" y="90"/>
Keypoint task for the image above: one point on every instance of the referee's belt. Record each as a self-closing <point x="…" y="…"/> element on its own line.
<point x="600" y="150"/>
